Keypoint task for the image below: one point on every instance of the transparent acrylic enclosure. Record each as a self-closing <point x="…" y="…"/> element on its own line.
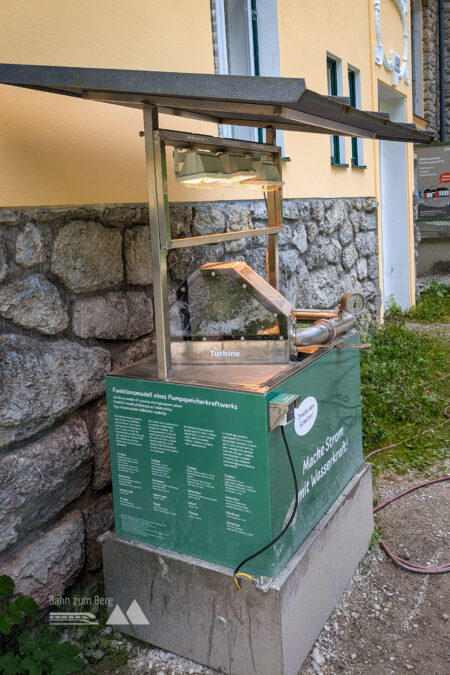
<point x="228" y="301"/>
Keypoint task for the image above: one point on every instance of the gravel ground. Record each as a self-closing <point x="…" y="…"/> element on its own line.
<point x="440" y="330"/>
<point x="157" y="662"/>
<point x="389" y="620"/>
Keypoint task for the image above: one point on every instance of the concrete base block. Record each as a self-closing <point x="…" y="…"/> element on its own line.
<point x="194" y="609"/>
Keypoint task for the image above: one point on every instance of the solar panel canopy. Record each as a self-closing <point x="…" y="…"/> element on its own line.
<point x="277" y="102"/>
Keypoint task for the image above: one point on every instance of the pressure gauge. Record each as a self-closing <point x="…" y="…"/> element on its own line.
<point x="353" y="303"/>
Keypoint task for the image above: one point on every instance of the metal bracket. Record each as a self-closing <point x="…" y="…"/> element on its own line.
<point x="281" y="409"/>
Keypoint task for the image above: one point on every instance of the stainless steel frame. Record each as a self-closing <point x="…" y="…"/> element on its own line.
<point x="228" y="375"/>
<point x="270" y="102"/>
<point x="275" y="216"/>
<point x="180" y="139"/>
<point x="161" y="238"/>
<point x="228" y="352"/>
<point x="158" y="215"/>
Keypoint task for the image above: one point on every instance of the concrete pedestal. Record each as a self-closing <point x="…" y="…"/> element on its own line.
<point x="194" y="609"/>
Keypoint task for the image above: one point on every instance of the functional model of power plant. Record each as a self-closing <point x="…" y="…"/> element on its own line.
<point x="242" y="503"/>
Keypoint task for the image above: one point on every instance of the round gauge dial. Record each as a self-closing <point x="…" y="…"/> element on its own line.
<point x="353" y="303"/>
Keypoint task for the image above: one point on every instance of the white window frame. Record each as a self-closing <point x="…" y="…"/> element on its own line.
<point x="228" y="130"/>
<point x="269" y="56"/>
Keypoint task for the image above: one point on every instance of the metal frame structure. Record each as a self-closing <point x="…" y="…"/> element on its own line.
<point x="270" y="102"/>
<point x="156" y="141"/>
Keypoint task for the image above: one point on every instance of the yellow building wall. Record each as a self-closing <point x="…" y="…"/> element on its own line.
<point x="340" y="29"/>
<point x="61" y="150"/>
<point x="58" y="150"/>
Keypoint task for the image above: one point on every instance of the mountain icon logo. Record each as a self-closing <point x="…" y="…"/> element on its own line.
<point x="136" y="616"/>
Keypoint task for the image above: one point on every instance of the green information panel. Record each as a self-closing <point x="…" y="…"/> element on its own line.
<point x="190" y="467"/>
<point x="325" y="439"/>
<point x="196" y="470"/>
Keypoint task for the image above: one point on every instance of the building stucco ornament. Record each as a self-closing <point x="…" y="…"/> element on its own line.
<point x="397" y="66"/>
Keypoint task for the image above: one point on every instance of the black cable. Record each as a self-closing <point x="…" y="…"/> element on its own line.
<point x="288" y="524"/>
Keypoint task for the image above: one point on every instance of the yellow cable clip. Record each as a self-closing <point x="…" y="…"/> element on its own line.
<point x="241" y="574"/>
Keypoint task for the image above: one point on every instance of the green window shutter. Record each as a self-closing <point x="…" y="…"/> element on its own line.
<point x="332" y="77"/>
<point x="352" y="95"/>
<point x="333" y="91"/>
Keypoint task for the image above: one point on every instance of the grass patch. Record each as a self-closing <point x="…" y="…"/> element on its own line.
<point x="404" y="388"/>
<point x="375" y="539"/>
<point x="433" y="305"/>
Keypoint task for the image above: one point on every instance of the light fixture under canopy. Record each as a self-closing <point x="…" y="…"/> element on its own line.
<point x="268" y="178"/>
<point x="199" y="169"/>
<point x="239" y="168"/>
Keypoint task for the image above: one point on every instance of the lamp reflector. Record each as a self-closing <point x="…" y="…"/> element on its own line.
<point x="202" y="170"/>
<point x="268" y="177"/>
<point x="239" y="169"/>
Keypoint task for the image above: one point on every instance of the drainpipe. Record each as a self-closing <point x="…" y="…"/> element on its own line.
<point x="442" y="134"/>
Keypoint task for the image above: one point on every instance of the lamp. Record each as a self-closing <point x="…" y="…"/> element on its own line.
<point x="268" y="178"/>
<point x="200" y="169"/>
<point x="239" y="169"/>
<point x="208" y="170"/>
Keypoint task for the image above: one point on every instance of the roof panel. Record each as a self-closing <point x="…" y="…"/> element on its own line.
<point x="282" y="103"/>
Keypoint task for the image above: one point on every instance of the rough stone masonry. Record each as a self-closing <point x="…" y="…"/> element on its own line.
<point x="76" y="302"/>
<point x="430" y="70"/>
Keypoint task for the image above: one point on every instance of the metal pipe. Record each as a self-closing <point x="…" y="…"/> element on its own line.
<point x="343" y="322"/>
<point x="314" y="314"/>
<point x="442" y="122"/>
<point x="323" y="331"/>
<point x="318" y="333"/>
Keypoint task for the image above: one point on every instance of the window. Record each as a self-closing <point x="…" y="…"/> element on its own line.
<point x="247" y="44"/>
<point x="235" y="33"/>
<point x="334" y="81"/>
<point x="354" y="92"/>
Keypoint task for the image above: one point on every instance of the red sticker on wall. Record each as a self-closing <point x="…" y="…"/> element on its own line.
<point x="444" y="178"/>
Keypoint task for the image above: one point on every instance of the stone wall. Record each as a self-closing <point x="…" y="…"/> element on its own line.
<point x="76" y="302"/>
<point x="431" y="89"/>
<point x="447" y="65"/>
